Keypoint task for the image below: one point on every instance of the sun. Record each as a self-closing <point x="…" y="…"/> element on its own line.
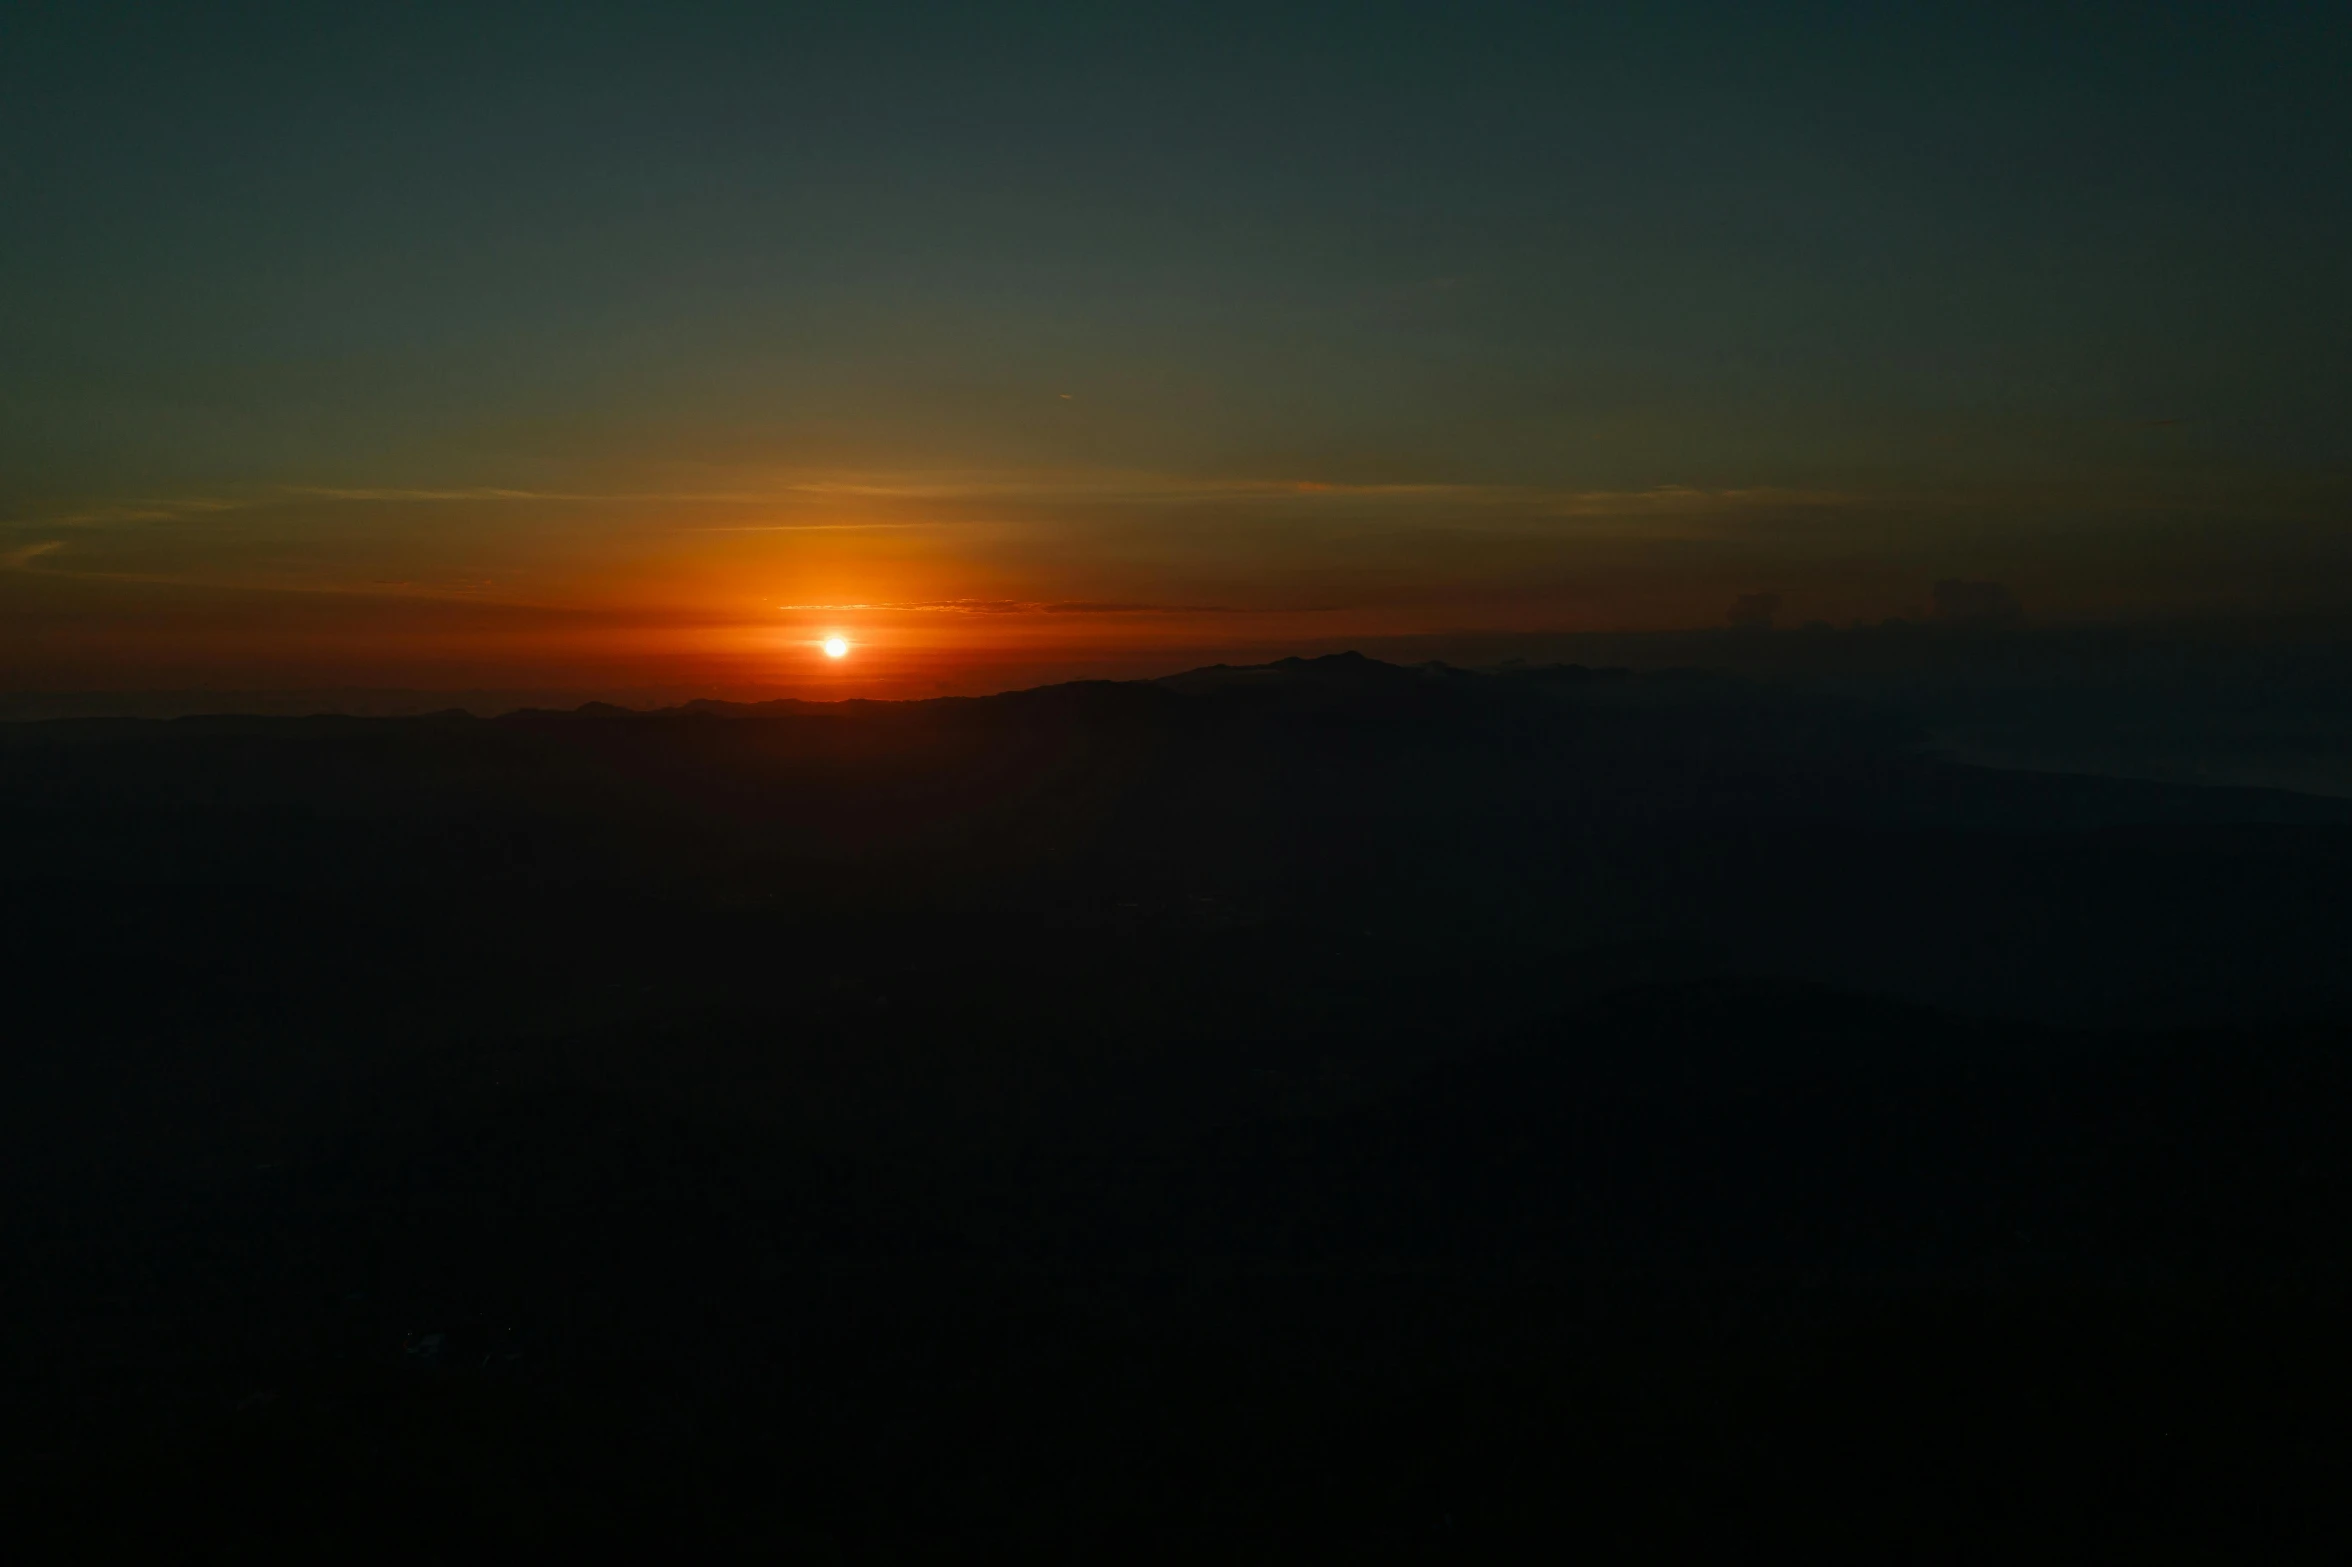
<point x="835" y="647"/>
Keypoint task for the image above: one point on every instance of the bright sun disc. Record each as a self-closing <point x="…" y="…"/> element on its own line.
<point x="836" y="647"/>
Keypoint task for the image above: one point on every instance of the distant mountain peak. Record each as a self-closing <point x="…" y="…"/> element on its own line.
<point x="1351" y="666"/>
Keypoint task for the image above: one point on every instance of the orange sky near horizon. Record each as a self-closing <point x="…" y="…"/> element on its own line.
<point x="965" y="582"/>
<point x="617" y="346"/>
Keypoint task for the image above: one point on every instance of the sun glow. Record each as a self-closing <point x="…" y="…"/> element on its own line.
<point x="835" y="647"/>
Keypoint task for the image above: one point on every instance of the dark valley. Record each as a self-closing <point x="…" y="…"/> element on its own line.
<point x="1269" y="1112"/>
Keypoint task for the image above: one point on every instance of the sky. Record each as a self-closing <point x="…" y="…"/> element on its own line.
<point x="608" y="344"/>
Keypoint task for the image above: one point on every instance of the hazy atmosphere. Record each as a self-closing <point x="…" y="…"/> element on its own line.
<point x="1271" y="783"/>
<point x="597" y="346"/>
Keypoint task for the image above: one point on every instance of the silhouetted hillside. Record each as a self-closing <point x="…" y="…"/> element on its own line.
<point x="1321" y="1103"/>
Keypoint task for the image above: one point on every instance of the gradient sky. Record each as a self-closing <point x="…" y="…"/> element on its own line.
<point x="450" y="344"/>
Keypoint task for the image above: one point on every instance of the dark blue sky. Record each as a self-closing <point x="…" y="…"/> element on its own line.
<point x="1424" y="314"/>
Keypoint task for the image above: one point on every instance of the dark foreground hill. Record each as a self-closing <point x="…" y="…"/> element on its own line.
<point x="1323" y="1107"/>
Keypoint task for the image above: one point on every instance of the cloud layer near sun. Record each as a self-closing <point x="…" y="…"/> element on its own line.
<point x="936" y="575"/>
<point x="449" y="340"/>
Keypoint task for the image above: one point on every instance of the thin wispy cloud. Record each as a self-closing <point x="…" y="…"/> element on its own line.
<point x="812" y="527"/>
<point x="999" y="487"/>
<point x="42" y="558"/>
<point x="1017" y="607"/>
<point x="931" y="486"/>
<point x="22" y="557"/>
<point x="144" y="510"/>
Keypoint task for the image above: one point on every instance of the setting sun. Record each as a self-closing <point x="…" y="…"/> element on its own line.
<point x="836" y="647"/>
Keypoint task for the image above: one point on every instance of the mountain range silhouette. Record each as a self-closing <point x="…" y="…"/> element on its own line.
<point x="1324" y="1101"/>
